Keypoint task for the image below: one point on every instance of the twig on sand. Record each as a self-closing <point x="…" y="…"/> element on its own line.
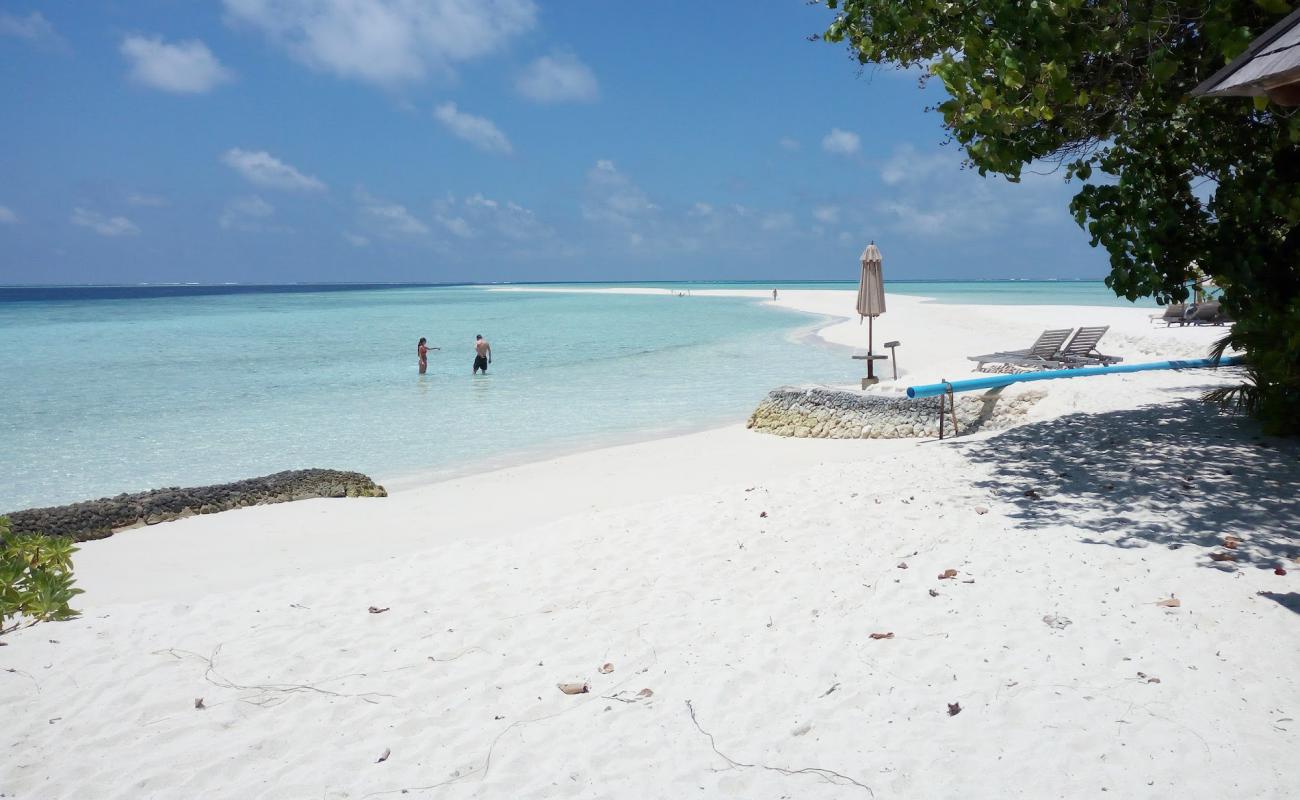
<point x="487" y="759"/>
<point x="27" y="675"/>
<point x="407" y="789"/>
<point x="482" y="771"/>
<point x="461" y="654"/>
<point x="270" y="693"/>
<point x="829" y="775"/>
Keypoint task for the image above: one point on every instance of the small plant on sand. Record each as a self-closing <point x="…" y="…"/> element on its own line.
<point x="1272" y="377"/>
<point x="35" y="578"/>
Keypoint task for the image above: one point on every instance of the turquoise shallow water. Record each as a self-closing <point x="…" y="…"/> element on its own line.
<point x="1018" y="293"/>
<point x="111" y="395"/>
<point x="112" y="390"/>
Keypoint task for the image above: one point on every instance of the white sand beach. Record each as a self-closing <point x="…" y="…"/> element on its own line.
<point x="732" y="582"/>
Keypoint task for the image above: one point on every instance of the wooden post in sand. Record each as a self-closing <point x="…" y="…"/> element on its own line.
<point x="951" y="401"/>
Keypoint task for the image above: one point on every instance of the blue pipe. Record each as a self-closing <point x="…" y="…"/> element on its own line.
<point x="936" y="389"/>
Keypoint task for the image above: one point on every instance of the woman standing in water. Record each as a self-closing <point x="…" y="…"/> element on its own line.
<point x="422" y="350"/>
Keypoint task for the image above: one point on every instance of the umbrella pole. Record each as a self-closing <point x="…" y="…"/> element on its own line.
<point x="870" y="352"/>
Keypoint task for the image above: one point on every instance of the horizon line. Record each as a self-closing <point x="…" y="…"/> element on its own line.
<point x="631" y="282"/>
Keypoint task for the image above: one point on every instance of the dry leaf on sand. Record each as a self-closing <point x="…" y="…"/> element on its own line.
<point x="948" y="573"/>
<point x="889" y="635"/>
<point x="626" y="696"/>
<point x="384" y="756"/>
<point x="1172" y="602"/>
<point x="954" y="709"/>
<point x="378" y="610"/>
<point x="574" y="688"/>
<point x="1222" y="557"/>
<point x="606" y="668"/>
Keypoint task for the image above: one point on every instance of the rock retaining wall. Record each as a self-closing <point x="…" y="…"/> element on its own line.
<point x="823" y="413"/>
<point x="96" y="519"/>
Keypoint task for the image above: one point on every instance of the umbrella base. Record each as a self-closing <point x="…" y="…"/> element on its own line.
<point x="869" y="381"/>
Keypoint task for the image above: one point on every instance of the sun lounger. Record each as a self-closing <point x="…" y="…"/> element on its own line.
<point x="1043" y="353"/>
<point x="1209" y="314"/>
<point x="1081" y="350"/>
<point x="1175" y="314"/>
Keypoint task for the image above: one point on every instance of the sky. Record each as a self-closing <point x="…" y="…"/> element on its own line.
<point x="272" y="141"/>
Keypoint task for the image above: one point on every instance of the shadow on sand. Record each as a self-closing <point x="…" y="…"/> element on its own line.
<point x="1173" y="474"/>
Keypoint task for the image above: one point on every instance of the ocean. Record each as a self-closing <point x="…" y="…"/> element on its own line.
<point x="118" y="389"/>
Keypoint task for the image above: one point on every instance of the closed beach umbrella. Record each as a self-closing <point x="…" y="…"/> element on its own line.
<point x="871" y="296"/>
<point x="871" y="289"/>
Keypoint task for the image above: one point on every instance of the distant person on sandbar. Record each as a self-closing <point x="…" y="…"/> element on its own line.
<point x="482" y="354"/>
<point x="774" y="295"/>
<point x="422" y="350"/>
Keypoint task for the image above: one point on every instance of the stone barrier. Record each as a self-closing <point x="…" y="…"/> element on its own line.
<point x="97" y="519"/>
<point x="825" y="413"/>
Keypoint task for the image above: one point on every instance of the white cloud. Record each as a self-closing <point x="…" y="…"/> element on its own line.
<point x="262" y="168"/>
<point x="789" y="144"/>
<point x="456" y="226"/>
<point x="103" y="225"/>
<point x="953" y="204"/>
<point x="906" y="165"/>
<point x="558" y="78"/>
<point x="385" y="41"/>
<point x="355" y="240"/>
<point x="478" y="131"/>
<point x="479" y="201"/>
<point x="931" y="195"/>
<point x="827" y="214"/>
<point x="911" y="218"/>
<point x="612" y="197"/>
<point x="844" y="143"/>
<point x="246" y="214"/>
<point x="476" y="214"/>
<point x="184" y="68"/>
<point x="701" y="210"/>
<point x="389" y="219"/>
<point x="34" y="28"/>
<point x="778" y="221"/>
<point x="516" y="222"/>
<point x="147" y="200"/>
<point x="7" y="216"/>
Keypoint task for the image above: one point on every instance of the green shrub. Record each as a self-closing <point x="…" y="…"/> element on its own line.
<point x="35" y="578"/>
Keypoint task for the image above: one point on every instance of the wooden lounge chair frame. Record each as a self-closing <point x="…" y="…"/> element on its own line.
<point x="1081" y="350"/>
<point x="1209" y="314"/>
<point x="1043" y="353"/>
<point x="1175" y="314"/>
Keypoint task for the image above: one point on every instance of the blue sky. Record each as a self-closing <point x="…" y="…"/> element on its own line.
<point x="449" y="140"/>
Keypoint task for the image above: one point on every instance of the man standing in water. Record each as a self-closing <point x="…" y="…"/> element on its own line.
<point x="482" y="354"/>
